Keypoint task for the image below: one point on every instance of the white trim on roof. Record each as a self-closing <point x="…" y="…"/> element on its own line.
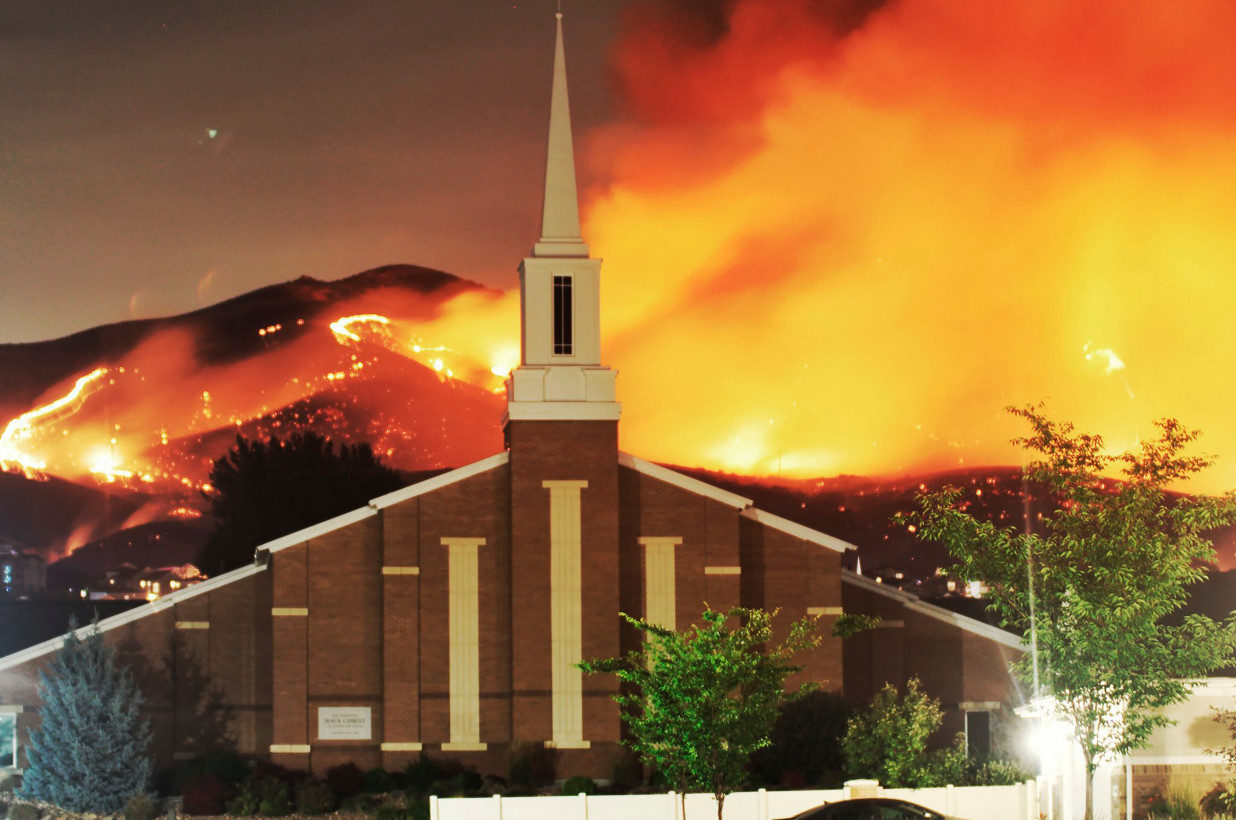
<point x="685" y="482"/>
<point x="797" y="530"/>
<point x="129" y="616"/>
<point x="447" y="478"/>
<point x="914" y="603"/>
<point x="299" y="537"/>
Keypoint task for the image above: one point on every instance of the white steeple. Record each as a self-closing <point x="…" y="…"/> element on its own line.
<point x="560" y="234"/>
<point x="560" y="376"/>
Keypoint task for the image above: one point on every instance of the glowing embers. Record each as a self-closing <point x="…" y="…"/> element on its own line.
<point x="342" y="327"/>
<point x="19" y="434"/>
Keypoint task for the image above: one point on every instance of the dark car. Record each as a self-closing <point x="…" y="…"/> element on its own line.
<point x="869" y="808"/>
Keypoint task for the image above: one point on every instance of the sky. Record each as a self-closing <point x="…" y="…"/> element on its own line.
<point x="158" y="155"/>
<point x="840" y="236"/>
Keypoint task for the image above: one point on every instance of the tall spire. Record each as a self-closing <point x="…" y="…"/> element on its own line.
<point x="560" y="376"/>
<point x="560" y="234"/>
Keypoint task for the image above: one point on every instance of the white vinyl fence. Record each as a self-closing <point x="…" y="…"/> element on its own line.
<point x="1019" y="802"/>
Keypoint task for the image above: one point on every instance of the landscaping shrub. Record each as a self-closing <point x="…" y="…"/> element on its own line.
<point x="532" y="765"/>
<point x="379" y="781"/>
<point x="424" y="772"/>
<point x="1175" y="805"/>
<point x="578" y="784"/>
<point x="314" y="798"/>
<point x="140" y="807"/>
<point x="23" y="811"/>
<point x="805" y="743"/>
<point x="345" y="779"/>
<point x="1220" y="800"/>
<point x="360" y="803"/>
<point x="998" y="772"/>
<point x="206" y="794"/>
<point x="264" y="796"/>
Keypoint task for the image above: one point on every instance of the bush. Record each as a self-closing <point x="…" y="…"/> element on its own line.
<point x="379" y="781"/>
<point x="224" y="764"/>
<point x="998" y="772"/>
<point x="532" y="765"/>
<point x="314" y="798"/>
<point x="805" y="743"/>
<point x="264" y="796"/>
<point x="422" y="773"/>
<point x="345" y="779"/>
<point x="1220" y="800"/>
<point x="23" y="811"/>
<point x="578" y="784"/>
<point x="1175" y="805"/>
<point x="887" y="741"/>
<point x="140" y="807"/>
<point x="206" y="794"/>
<point x="359" y="804"/>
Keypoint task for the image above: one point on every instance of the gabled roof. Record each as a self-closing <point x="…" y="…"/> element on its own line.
<point x="746" y="506"/>
<point x="381" y="502"/>
<point x="915" y="604"/>
<point x="789" y="527"/>
<point x="447" y="478"/>
<point x="157" y="605"/>
<point x="685" y="482"/>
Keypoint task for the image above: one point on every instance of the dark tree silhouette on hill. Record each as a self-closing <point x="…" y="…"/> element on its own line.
<point x="262" y="490"/>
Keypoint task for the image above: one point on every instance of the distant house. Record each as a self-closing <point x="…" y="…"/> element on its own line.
<point x="22" y="573"/>
<point x="128" y="583"/>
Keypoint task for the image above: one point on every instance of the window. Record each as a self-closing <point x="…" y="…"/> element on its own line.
<point x="8" y="739"/>
<point x="978" y="735"/>
<point x="563" y="303"/>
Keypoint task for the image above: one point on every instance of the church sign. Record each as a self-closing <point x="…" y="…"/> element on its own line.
<point x="344" y="723"/>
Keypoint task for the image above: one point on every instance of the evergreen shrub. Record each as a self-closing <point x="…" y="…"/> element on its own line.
<point x="89" y="752"/>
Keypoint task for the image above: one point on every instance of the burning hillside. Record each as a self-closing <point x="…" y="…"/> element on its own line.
<point x="145" y="407"/>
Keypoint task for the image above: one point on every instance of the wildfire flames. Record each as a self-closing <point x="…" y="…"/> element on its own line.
<point x="71" y="434"/>
<point x="832" y="245"/>
<point x="859" y="245"/>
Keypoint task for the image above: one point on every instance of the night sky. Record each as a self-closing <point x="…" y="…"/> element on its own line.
<point x="157" y="155"/>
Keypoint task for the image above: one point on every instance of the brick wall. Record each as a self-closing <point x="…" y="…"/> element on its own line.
<point x="563" y="450"/>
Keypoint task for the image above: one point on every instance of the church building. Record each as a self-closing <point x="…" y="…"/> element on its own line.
<point x="448" y="617"/>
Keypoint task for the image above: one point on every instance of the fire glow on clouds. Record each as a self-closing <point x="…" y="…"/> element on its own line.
<point x="848" y="253"/>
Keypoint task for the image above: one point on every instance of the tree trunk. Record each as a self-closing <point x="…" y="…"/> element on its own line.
<point x="1089" y="815"/>
<point x="720" y="803"/>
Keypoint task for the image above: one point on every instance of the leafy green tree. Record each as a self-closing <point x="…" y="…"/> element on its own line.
<point x="262" y="490"/>
<point x="887" y="741"/>
<point x="89" y="751"/>
<point x="1093" y="583"/>
<point x="705" y="699"/>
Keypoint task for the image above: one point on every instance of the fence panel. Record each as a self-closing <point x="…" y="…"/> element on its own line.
<point x="967" y="803"/>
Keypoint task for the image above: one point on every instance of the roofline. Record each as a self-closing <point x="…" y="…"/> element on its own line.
<point x="916" y="604"/>
<point x="797" y="530"/>
<point x="684" y="481"/>
<point x="299" y="537"/>
<point x="129" y="616"/>
<point x="438" y="481"/>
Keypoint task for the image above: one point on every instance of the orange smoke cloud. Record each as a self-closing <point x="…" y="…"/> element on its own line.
<point x="849" y="253"/>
